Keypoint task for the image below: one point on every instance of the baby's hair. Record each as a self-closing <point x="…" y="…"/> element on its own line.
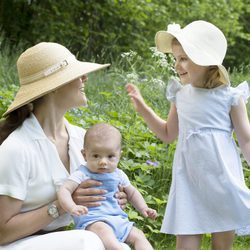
<point x="101" y="131"/>
<point x="213" y="76"/>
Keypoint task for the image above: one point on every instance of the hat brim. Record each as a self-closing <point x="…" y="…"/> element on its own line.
<point x="30" y="92"/>
<point x="163" y="41"/>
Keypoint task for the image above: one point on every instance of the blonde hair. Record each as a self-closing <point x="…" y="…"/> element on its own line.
<point x="212" y="79"/>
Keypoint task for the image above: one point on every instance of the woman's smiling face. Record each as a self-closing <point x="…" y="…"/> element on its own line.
<point x="72" y="94"/>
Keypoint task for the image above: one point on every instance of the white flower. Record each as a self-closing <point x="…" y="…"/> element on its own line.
<point x="129" y="54"/>
<point x="132" y="77"/>
<point x="174" y="27"/>
<point x="158" y="82"/>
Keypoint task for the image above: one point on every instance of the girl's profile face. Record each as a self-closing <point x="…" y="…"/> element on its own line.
<point x="188" y="71"/>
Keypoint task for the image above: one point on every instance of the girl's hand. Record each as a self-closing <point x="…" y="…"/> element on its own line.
<point x="79" y="210"/>
<point x="136" y="97"/>
<point x="87" y="195"/>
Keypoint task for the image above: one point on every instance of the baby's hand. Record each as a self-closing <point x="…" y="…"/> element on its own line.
<point x="149" y="212"/>
<point x="78" y="210"/>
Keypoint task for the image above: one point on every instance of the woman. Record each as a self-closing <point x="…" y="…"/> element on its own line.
<point x="38" y="146"/>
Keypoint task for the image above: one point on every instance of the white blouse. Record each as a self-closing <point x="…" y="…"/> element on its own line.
<point x="30" y="164"/>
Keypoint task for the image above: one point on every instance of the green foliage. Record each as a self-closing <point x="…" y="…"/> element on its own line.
<point x="103" y="29"/>
<point x="146" y="160"/>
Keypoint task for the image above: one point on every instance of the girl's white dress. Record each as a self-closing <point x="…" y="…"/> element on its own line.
<point x="208" y="193"/>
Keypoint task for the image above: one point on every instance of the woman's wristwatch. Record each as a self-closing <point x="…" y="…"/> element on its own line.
<point x="53" y="211"/>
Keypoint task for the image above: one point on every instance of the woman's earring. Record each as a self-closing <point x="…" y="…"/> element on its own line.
<point x="30" y="106"/>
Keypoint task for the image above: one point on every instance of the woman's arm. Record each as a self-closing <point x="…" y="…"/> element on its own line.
<point x="167" y="131"/>
<point x="241" y="125"/>
<point x="15" y="225"/>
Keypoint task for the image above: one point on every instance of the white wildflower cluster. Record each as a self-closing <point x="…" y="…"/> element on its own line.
<point x="171" y="64"/>
<point x="130" y="54"/>
<point x="157" y="53"/>
<point x="132" y="77"/>
<point x="158" y="82"/>
<point x="160" y="57"/>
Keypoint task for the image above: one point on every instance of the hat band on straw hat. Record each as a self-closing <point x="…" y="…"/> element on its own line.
<point x="50" y="70"/>
<point x="45" y="67"/>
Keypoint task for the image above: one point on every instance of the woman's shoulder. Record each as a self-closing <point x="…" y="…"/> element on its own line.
<point x="18" y="139"/>
<point x="15" y="148"/>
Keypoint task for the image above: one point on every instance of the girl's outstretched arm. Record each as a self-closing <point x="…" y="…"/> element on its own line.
<point x="167" y="131"/>
<point x="241" y="125"/>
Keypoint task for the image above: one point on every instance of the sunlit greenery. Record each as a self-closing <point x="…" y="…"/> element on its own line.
<point x="103" y="29"/>
<point x="146" y="160"/>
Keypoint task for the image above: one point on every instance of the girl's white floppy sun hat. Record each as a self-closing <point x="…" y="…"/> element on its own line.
<point x="202" y="41"/>
<point x="44" y="68"/>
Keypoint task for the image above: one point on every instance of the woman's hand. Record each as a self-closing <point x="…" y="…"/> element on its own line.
<point x="89" y="196"/>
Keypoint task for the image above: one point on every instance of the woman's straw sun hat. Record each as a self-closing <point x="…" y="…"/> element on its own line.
<point x="202" y="41"/>
<point x="44" y="68"/>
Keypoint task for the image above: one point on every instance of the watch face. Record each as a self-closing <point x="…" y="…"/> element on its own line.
<point x="52" y="211"/>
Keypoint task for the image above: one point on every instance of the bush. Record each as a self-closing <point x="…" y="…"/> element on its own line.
<point x="104" y="29"/>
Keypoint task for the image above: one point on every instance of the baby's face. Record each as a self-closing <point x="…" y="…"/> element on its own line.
<point x="102" y="156"/>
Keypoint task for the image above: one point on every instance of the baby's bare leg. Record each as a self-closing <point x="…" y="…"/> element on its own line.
<point x="106" y="233"/>
<point x="138" y="239"/>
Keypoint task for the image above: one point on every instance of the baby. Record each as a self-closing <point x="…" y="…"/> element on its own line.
<point x="102" y="151"/>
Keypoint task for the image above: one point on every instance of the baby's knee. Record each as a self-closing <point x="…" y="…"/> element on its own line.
<point x="135" y="235"/>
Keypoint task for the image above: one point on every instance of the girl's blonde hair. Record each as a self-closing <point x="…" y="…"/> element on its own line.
<point x="212" y="79"/>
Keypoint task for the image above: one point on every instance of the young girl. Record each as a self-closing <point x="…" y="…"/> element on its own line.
<point x="208" y="193"/>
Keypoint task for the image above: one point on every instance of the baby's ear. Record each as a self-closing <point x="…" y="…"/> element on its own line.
<point x="83" y="153"/>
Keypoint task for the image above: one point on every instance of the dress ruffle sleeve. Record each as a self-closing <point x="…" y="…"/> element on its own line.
<point x="173" y="87"/>
<point x="242" y="90"/>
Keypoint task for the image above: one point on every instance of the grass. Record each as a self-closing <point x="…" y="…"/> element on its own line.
<point x="146" y="160"/>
